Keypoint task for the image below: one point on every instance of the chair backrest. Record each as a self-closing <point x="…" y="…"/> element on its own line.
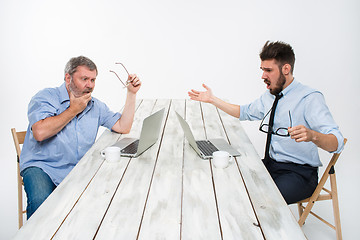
<point x="19" y="138"/>
<point x="329" y="195"/>
<point x="330" y="167"/>
<point x="329" y="170"/>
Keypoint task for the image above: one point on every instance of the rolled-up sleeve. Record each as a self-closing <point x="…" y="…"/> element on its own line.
<point x="319" y="118"/>
<point x="40" y="107"/>
<point x="107" y="117"/>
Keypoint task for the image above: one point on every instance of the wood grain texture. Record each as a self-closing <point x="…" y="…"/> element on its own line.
<point x="91" y="207"/>
<point x="123" y="218"/>
<point x="199" y="213"/>
<point x="162" y="216"/>
<point x="237" y="217"/>
<point x="56" y="208"/>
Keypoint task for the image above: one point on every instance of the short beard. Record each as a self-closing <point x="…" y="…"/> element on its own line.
<point x="74" y="89"/>
<point x="279" y="85"/>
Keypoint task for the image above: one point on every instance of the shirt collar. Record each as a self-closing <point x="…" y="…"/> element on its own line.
<point x="64" y="95"/>
<point x="289" y="88"/>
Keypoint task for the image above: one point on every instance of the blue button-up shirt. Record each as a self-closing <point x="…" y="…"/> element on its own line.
<point x="58" y="155"/>
<point x="307" y="107"/>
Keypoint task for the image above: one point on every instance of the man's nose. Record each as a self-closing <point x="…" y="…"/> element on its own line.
<point x="264" y="75"/>
<point x="90" y="84"/>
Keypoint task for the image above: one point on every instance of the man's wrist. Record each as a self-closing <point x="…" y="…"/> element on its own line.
<point x="131" y="94"/>
<point x="313" y="136"/>
<point x="72" y="111"/>
<point x="214" y="100"/>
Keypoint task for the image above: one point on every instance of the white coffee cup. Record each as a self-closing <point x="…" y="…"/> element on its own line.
<point x="111" y="154"/>
<point x="221" y="159"/>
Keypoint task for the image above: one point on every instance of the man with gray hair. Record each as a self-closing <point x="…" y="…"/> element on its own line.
<point x="63" y="124"/>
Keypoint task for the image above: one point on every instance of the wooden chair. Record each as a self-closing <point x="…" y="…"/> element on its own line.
<point x="19" y="138"/>
<point x="329" y="195"/>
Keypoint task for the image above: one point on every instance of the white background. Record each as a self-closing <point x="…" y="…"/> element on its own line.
<point x="175" y="46"/>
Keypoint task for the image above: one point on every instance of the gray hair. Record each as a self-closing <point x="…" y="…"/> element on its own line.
<point x="75" y="62"/>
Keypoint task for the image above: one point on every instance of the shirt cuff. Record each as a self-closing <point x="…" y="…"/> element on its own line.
<point x="340" y="140"/>
<point x="111" y="122"/>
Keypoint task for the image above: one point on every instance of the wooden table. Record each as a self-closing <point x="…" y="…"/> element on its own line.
<point x="168" y="192"/>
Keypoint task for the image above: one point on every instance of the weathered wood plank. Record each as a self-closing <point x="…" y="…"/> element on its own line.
<point x="123" y="218"/>
<point x="162" y="216"/>
<point x="237" y="217"/>
<point x="199" y="213"/>
<point x="276" y="220"/>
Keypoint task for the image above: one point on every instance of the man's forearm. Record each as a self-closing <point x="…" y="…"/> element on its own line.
<point x="328" y="142"/>
<point x="123" y="125"/>
<point x="232" y="109"/>
<point x="50" y="126"/>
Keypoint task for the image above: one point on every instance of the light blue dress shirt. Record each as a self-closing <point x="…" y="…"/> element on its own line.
<point x="58" y="155"/>
<point x="307" y="107"/>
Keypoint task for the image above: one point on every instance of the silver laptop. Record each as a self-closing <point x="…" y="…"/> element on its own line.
<point x="132" y="147"/>
<point x="205" y="148"/>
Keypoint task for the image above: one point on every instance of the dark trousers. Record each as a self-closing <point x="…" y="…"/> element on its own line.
<point x="295" y="182"/>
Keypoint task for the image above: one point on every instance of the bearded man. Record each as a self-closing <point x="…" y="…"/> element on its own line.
<point x="63" y="124"/>
<point x="295" y="118"/>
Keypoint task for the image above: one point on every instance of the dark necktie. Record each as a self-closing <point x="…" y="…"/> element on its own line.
<point x="271" y="123"/>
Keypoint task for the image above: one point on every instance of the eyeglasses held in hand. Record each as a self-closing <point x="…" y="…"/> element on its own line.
<point x="283" y="132"/>
<point x="126" y="75"/>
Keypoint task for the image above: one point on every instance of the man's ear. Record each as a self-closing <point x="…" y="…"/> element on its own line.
<point x="286" y="69"/>
<point x="67" y="79"/>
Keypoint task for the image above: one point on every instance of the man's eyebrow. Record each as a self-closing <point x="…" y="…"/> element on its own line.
<point x="86" y="76"/>
<point x="265" y="68"/>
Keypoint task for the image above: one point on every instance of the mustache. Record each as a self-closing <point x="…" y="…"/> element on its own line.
<point x="88" y="90"/>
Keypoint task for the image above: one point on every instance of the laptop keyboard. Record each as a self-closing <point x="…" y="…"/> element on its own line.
<point x="131" y="148"/>
<point x="206" y="147"/>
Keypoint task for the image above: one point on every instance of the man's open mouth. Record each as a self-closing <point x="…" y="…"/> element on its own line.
<point x="267" y="83"/>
